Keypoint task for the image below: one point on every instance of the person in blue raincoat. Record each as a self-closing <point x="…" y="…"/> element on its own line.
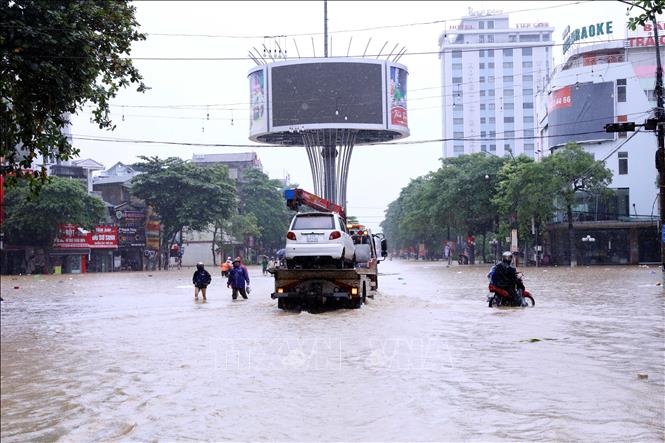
<point x="238" y="280"/>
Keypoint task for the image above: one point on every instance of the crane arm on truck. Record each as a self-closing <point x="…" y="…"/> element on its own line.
<point x="297" y="197"/>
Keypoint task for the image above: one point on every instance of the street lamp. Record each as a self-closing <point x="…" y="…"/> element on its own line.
<point x="588" y="241"/>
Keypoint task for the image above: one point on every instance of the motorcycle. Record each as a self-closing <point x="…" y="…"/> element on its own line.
<point x="500" y="297"/>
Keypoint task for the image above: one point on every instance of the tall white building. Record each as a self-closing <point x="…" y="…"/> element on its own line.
<point x="490" y="73"/>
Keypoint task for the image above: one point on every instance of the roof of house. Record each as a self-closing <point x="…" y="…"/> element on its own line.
<point x="225" y="158"/>
<point x="89" y="164"/>
<point x="118" y="173"/>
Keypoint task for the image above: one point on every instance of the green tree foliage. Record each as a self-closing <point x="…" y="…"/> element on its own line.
<point x="33" y="220"/>
<point x="183" y="194"/>
<point x="650" y="8"/>
<point x="574" y="170"/>
<point x="56" y="56"/>
<point x="260" y="196"/>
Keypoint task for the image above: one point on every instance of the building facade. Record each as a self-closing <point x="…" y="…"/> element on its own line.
<point x="490" y="73"/>
<point x="597" y="84"/>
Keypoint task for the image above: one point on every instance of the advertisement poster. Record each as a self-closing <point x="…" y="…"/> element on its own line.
<point x="580" y="112"/>
<point x="71" y="237"/>
<point x="257" y="96"/>
<point x="397" y="91"/>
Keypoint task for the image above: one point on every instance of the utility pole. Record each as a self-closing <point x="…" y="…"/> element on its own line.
<point x="325" y="28"/>
<point x="660" y="153"/>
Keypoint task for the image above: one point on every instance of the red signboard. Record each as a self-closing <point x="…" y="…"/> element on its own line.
<point x="561" y="98"/>
<point x="71" y="237"/>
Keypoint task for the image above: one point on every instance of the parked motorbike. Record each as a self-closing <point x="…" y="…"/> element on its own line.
<point x="499" y="297"/>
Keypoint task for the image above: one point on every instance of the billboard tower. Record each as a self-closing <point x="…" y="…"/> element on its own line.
<point x="328" y="105"/>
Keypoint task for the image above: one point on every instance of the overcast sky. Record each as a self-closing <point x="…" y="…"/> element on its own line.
<point x="186" y="92"/>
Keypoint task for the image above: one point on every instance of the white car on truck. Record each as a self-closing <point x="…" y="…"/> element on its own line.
<point x="317" y="239"/>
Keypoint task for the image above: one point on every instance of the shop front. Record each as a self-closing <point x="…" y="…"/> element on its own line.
<point x="131" y="240"/>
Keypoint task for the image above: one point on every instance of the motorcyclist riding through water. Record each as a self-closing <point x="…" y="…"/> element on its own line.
<point x="504" y="279"/>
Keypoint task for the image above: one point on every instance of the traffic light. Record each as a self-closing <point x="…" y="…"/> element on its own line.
<point x="651" y="124"/>
<point x="620" y="127"/>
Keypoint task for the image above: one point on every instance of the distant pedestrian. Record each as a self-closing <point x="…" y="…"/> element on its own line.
<point x="264" y="265"/>
<point x="447" y="253"/>
<point x="238" y="279"/>
<point x="201" y="280"/>
<point x="226" y="267"/>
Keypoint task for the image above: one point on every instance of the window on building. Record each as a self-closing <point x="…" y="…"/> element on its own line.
<point x="529" y="132"/>
<point x="527" y="52"/>
<point x="490" y="78"/>
<point x="482" y="106"/>
<point x="483" y="148"/>
<point x="508" y="92"/>
<point x="527" y="105"/>
<point x="490" y="24"/>
<point x="481" y="65"/>
<point x="507" y="65"/>
<point x="458" y="107"/>
<point x="483" y="120"/>
<point x="458" y="149"/>
<point x="482" y="79"/>
<point x="508" y="106"/>
<point x="509" y="134"/>
<point x="490" y="38"/>
<point x="527" y="65"/>
<point x="483" y="134"/>
<point x="507" y="78"/>
<point x="490" y="65"/>
<point x="491" y="92"/>
<point x="527" y="79"/>
<point x="621" y="90"/>
<point x="457" y="80"/>
<point x="481" y="53"/>
<point x="527" y="93"/>
<point x="481" y="38"/>
<point x="509" y="119"/>
<point x="651" y="94"/>
<point x="512" y="38"/>
<point x="528" y="120"/>
<point x="492" y="148"/>
<point x="507" y="52"/>
<point x="492" y="120"/>
<point x="457" y="54"/>
<point x="457" y="66"/>
<point x="481" y="25"/>
<point x="482" y="93"/>
<point x="458" y="121"/>
<point x="491" y="106"/>
<point x="529" y="37"/>
<point x="492" y="134"/>
<point x="458" y="134"/>
<point x="528" y="149"/>
<point x="623" y="163"/>
<point x="506" y="147"/>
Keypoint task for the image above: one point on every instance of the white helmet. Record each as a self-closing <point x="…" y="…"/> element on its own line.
<point x="507" y="256"/>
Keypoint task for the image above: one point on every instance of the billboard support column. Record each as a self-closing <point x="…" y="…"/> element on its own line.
<point x="329" y="154"/>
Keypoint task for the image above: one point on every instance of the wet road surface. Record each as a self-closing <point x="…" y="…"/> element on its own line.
<point x="132" y="357"/>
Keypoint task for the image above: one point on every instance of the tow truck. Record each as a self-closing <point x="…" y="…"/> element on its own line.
<point x="309" y="288"/>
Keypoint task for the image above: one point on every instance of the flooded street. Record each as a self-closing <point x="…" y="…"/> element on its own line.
<point x="131" y="356"/>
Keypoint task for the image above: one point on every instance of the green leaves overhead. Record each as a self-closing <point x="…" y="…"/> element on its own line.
<point x="56" y="56"/>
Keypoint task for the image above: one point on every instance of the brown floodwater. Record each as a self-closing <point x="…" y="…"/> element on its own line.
<point x="132" y="357"/>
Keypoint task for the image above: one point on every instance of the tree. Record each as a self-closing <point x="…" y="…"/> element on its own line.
<point x="55" y="57"/>
<point x="575" y="170"/>
<point x="32" y="220"/>
<point x="261" y="196"/>
<point x="183" y="194"/>
<point x="525" y="194"/>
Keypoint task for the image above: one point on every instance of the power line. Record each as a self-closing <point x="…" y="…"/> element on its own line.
<point x="307" y="34"/>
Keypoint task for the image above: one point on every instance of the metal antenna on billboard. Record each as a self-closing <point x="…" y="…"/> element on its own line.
<point x="349" y="48"/>
<point x="325" y="28"/>
<point x="268" y="51"/>
<point x="249" y="53"/>
<point x="258" y="55"/>
<point x="381" y="50"/>
<point x="400" y="54"/>
<point x="391" y="51"/>
<point x="368" y="42"/>
<point x="313" y="48"/>
<point x="296" y="45"/>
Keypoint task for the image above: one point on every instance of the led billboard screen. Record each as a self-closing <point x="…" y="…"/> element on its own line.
<point x="327" y="93"/>
<point x="579" y="112"/>
<point x="397" y="96"/>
